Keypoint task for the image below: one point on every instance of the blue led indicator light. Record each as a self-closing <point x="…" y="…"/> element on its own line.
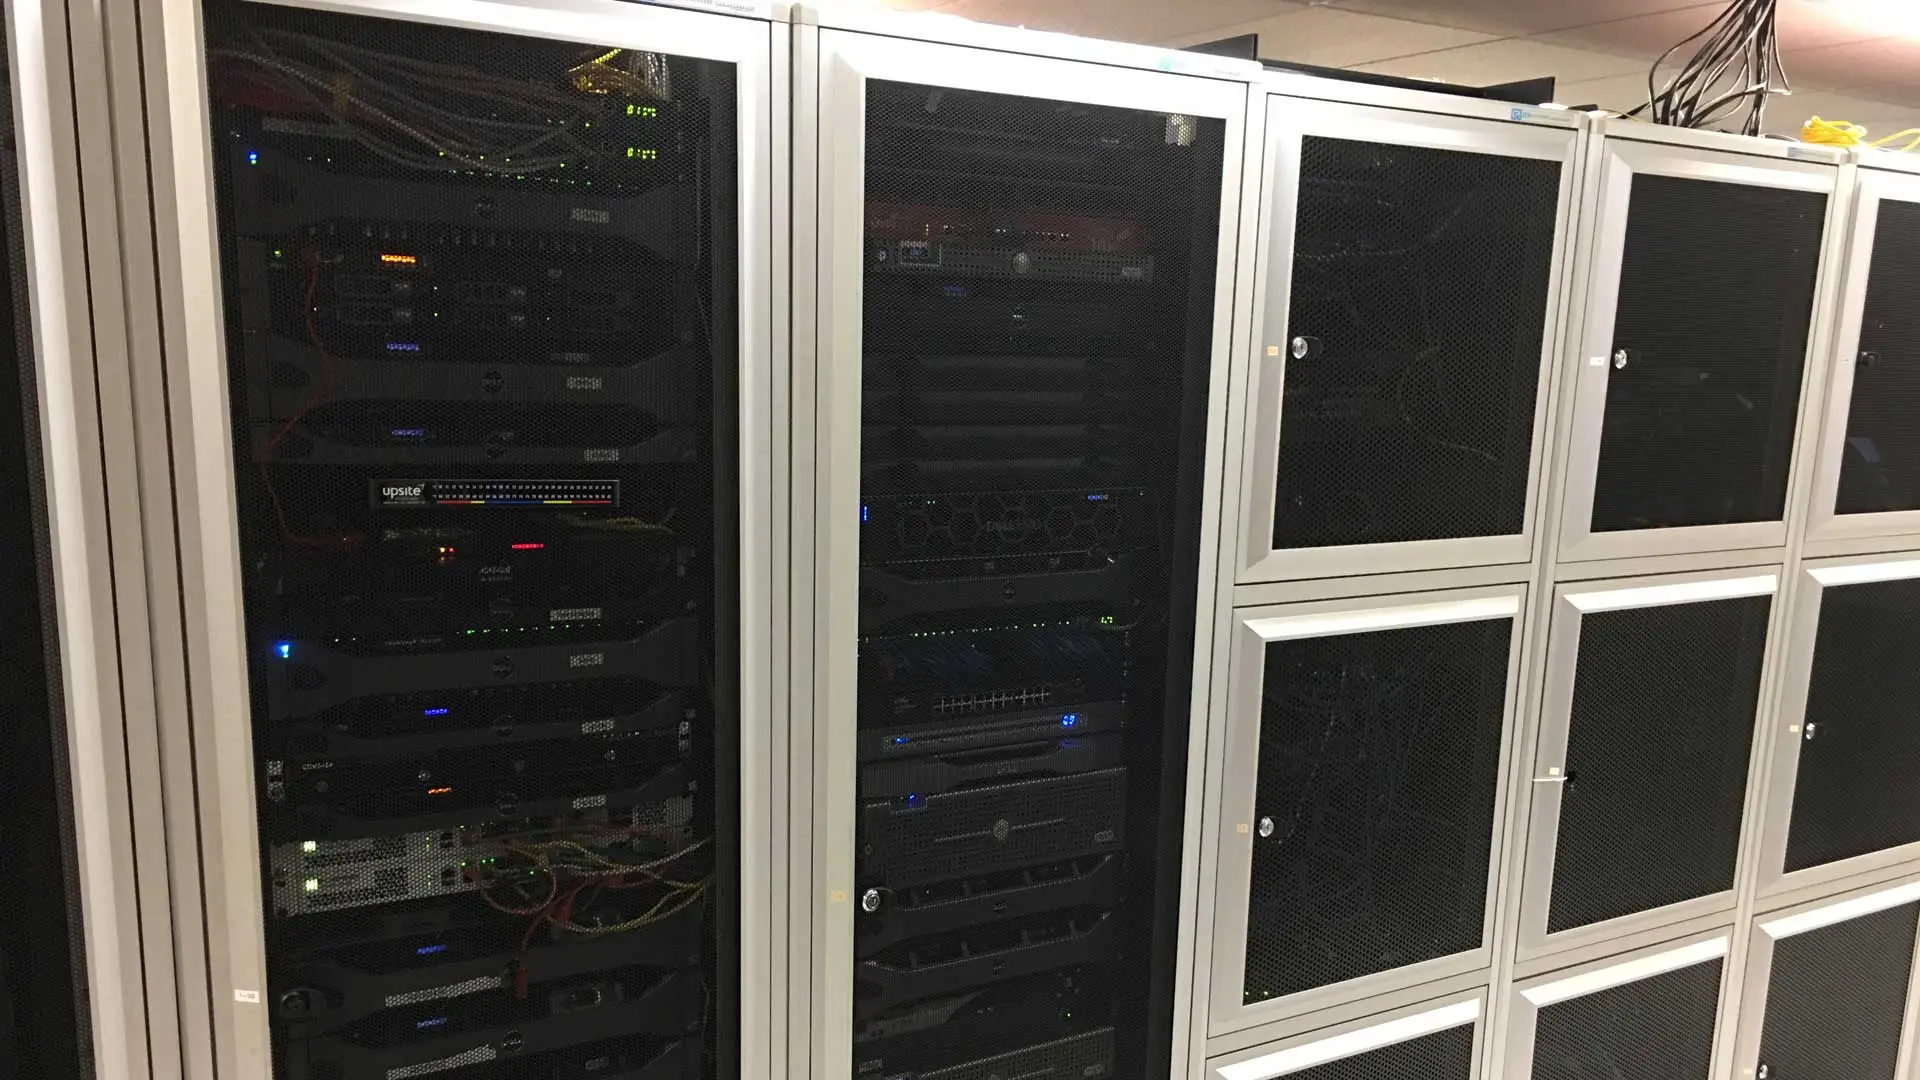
<point x="1070" y="719"/>
<point x="899" y="740"/>
<point x="403" y="346"/>
<point x="916" y="801"/>
<point x="1099" y="497"/>
<point x="285" y="649"/>
<point x="429" y="950"/>
<point x="253" y="157"/>
<point x="435" y="1022"/>
<point x="433" y="712"/>
<point x="865" y="513"/>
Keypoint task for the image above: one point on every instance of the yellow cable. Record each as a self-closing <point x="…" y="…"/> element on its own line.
<point x="1842" y="133"/>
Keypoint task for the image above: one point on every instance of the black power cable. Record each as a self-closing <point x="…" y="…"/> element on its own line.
<point x="1736" y="67"/>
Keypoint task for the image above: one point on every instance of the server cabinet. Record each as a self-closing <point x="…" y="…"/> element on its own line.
<point x="1829" y="989"/>
<point x="1437" y="1040"/>
<point x="1868" y="481"/>
<point x="1842" y="799"/>
<point x="1022" y="335"/>
<point x="491" y="329"/>
<point x="1704" y="275"/>
<point x="1652" y="1012"/>
<point x="1639" y="784"/>
<point x="1367" y="745"/>
<point x="1408" y="298"/>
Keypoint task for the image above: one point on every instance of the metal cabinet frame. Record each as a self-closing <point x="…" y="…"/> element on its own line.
<point x="836" y="51"/>
<point x="209" y="722"/>
<point x="1528" y="997"/>
<point x="1571" y="603"/>
<point x="1881" y="178"/>
<point x="1240" y="656"/>
<point x="1520" y="133"/>
<point x="1621" y="150"/>
<point x="1769" y="929"/>
<point x="1289" y="1056"/>
<point x="1785" y="734"/>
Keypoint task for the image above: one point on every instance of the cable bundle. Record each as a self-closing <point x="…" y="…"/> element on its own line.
<point x="1842" y="133"/>
<point x="1737" y="66"/>
<point x="427" y="115"/>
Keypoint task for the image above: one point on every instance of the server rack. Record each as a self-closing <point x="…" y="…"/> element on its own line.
<point x="1830" y="987"/>
<point x="1656" y="1009"/>
<point x="1863" y="491"/>
<point x="1023" y="312"/>
<point x="485" y="403"/>
<point x="1700" y="321"/>
<point x="1649" y="726"/>
<point x="1837" y="803"/>
<point x="1408" y="311"/>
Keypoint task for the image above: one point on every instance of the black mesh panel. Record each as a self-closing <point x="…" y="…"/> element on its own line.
<point x="1443" y="1055"/>
<point x="1037" y="339"/>
<point x="1881" y="468"/>
<point x="1716" y="297"/>
<point x="1420" y="282"/>
<point x="1379" y="763"/>
<point x="1658" y="744"/>
<point x="1837" y="999"/>
<point x="1855" y="791"/>
<point x="1655" y="1029"/>
<point x="480" y="298"/>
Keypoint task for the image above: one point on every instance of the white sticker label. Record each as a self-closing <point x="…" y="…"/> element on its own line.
<point x="247" y="997"/>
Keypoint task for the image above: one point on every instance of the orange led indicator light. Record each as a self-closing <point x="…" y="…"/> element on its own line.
<point x="392" y="258"/>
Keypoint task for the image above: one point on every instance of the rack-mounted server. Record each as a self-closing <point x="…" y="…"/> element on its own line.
<point x="1034" y="378"/>
<point x="479" y="304"/>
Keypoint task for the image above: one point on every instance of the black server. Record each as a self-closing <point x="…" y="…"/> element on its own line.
<point x="480" y="298"/>
<point x="1038" y="294"/>
<point x="42" y="989"/>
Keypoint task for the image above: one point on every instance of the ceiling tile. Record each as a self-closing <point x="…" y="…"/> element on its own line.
<point x="1803" y="25"/>
<point x="1149" y="21"/>
<point x="1881" y="70"/>
<point x="1333" y="38"/>
<point x="1514" y="17"/>
<point x="1507" y="61"/>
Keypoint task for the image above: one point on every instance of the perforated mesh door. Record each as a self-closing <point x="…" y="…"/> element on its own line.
<point x="1715" y="302"/>
<point x="1420" y="282"/>
<point x="1443" y="1055"/>
<point x="1038" y="297"/>
<point x="1854" y="792"/>
<point x="1837" y="999"/>
<point x="1880" y="471"/>
<point x="1379" y="763"/>
<point x="481" y="309"/>
<point x="1660" y="731"/>
<point x="1654" y="1029"/>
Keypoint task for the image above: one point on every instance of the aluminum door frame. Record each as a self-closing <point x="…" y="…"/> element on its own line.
<point x="1824" y="525"/>
<point x="833" y="62"/>
<point x="1785" y="732"/>
<point x="1538" y="847"/>
<point x="1289" y="120"/>
<point x="1242" y="654"/>
<point x="1612" y="163"/>
<point x="1289" y="1056"/>
<point x="201" y="442"/>
<point x="1527" y="997"/>
<point x="78" y="416"/>
<point x="1775" y="926"/>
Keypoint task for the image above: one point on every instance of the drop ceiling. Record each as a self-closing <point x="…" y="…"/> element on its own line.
<point x="1841" y="67"/>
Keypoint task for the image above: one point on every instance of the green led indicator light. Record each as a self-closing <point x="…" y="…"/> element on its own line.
<point x="643" y="153"/>
<point x="642" y="110"/>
